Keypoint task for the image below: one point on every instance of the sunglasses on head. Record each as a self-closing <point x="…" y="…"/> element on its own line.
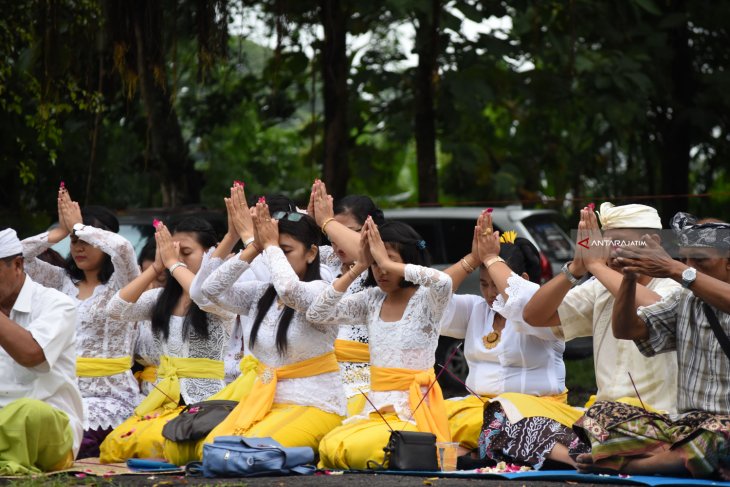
<point x="285" y="215"/>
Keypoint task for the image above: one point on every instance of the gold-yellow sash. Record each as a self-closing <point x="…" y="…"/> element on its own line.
<point x="240" y="388"/>
<point x="102" y="367"/>
<point x="148" y="374"/>
<point x="350" y="351"/>
<point x="166" y="393"/>
<point x="261" y="398"/>
<point x="431" y="414"/>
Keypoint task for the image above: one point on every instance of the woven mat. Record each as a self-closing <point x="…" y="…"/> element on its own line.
<point x="93" y="468"/>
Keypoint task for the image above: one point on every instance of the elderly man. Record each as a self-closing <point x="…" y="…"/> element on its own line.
<point x="40" y="406"/>
<point x="585" y="310"/>
<point x="693" y="322"/>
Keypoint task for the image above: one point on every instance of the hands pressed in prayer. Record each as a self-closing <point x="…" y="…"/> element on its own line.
<point x="266" y="228"/>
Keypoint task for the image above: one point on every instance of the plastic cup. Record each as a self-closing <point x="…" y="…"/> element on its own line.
<point x="447" y="453"/>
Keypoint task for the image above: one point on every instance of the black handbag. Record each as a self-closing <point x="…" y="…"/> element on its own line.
<point x="411" y="450"/>
<point x="197" y="420"/>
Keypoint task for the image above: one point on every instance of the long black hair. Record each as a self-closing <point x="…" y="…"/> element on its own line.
<point x="99" y="217"/>
<point x="307" y="232"/>
<point x="360" y="207"/>
<point x="195" y="318"/>
<point x="522" y="256"/>
<point x="408" y="243"/>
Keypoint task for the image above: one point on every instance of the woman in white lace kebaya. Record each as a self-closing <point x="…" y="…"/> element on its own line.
<point x="342" y="223"/>
<point x="297" y="396"/>
<point x="101" y="262"/>
<point x="191" y="340"/>
<point x="519" y="368"/>
<point x="403" y="315"/>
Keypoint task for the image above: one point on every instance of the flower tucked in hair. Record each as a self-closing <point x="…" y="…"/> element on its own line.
<point x="508" y="237"/>
<point x="421" y="245"/>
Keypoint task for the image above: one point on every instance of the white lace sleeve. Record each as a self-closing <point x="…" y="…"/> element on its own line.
<point x="43" y="273"/>
<point x="328" y="257"/>
<point x="146" y="349"/>
<point x="437" y="282"/>
<point x="293" y="293"/>
<point x="331" y="308"/>
<point x="519" y="292"/>
<point x="207" y="266"/>
<point x="119" y="309"/>
<point x="222" y="288"/>
<point x="118" y="248"/>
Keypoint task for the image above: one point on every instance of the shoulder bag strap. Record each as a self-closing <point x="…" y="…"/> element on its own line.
<point x="717" y="329"/>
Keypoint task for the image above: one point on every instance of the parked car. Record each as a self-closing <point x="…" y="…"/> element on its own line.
<point x="136" y="225"/>
<point x="448" y="233"/>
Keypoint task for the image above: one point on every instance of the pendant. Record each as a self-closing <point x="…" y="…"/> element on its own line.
<point x="491" y="339"/>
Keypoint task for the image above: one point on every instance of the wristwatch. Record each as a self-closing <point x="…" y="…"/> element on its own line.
<point x="688" y="276"/>
<point x="573" y="280"/>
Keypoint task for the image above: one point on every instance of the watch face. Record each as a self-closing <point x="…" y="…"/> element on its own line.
<point x="689" y="274"/>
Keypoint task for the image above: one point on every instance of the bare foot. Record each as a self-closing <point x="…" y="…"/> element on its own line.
<point x="584" y="464"/>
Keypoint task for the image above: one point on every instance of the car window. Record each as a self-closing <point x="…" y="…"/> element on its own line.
<point x="137" y="235"/>
<point x="551" y="239"/>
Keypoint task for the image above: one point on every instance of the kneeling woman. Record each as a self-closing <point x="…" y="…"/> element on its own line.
<point x="191" y="341"/>
<point x="515" y="368"/>
<point x="402" y="314"/>
<point x="298" y="396"/>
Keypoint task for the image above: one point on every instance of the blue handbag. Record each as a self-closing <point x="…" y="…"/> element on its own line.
<point x="236" y="456"/>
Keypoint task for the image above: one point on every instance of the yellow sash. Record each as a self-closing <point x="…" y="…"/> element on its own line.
<point x="148" y="374"/>
<point x="102" y="367"/>
<point x="350" y="351"/>
<point x="241" y="387"/>
<point x="261" y="398"/>
<point x="166" y="393"/>
<point x="431" y="414"/>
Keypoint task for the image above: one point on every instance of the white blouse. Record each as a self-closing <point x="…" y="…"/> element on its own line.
<point x="409" y="343"/>
<point x="305" y="339"/>
<point x="526" y="359"/>
<point x="176" y="345"/>
<point x="355" y="375"/>
<point x="109" y="400"/>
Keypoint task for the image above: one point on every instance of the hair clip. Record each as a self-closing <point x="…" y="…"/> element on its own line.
<point x="421" y="245"/>
<point x="156" y="223"/>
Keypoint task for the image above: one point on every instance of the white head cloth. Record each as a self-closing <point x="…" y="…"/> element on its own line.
<point x="628" y="216"/>
<point x="9" y="243"/>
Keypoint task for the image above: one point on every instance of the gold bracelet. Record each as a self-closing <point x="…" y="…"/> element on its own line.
<point x="325" y="224"/>
<point x="494" y="260"/>
<point x="468" y="268"/>
<point x="352" y="272"/>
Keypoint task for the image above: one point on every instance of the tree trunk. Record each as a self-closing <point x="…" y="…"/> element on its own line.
<point x="335" y="67"/>
<point x="427" y="47"/>
<point x="180" y="182"/>
<point x="676" y="132"/>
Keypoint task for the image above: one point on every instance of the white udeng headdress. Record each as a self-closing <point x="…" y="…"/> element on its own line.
<point x="9" y="243"/>
<point x="628" y="216"/>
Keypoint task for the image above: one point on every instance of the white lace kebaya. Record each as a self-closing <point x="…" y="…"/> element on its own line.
<point x="176" y="345"/>
<point x="526" y="359"/>
<point x="108" y="400"/>
<point x="355" y="376"/>
<point x="305" y="339"/>
<point x="409" y="343"/>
